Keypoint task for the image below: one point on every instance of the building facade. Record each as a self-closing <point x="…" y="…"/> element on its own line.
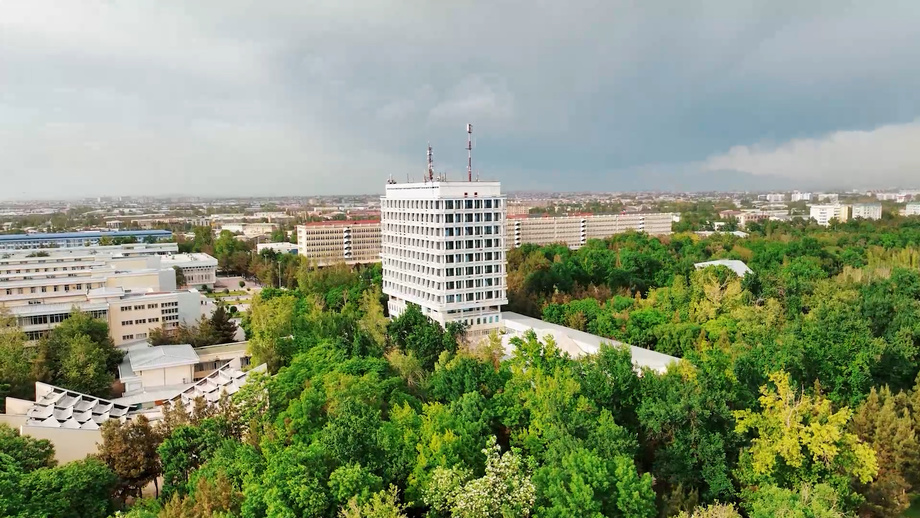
<point x="911" y="209"/>
<point x="575" y="231"/>
<point x="443" y="248"/>
<point x="823" y="214"/>
<point x="198" y="269"/>
<point x="330" y="242"/>
<point x="866" y="210"/>
<point x="354" y="242"/>
<point x="41" y="292"/>
<point x="77" y="239"/>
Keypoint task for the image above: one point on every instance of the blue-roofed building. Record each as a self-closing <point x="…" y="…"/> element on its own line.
<point x="76" y="239"/>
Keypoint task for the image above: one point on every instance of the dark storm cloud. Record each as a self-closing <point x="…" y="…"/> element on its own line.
<point x="278" y="97"/>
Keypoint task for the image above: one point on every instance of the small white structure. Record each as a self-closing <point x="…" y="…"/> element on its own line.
<point x="576" y="343"/>
<point x="734" y="265"/>
<point x="280" y="248"/>
<point x="911" y="209"/>
<point x="155" y="373"/>
<point x="198" y="269"/>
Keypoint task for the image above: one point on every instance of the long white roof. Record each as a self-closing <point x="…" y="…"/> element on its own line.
<point x="57" y="407"/>
<point x="734" y="265"/>
<point x="578" y="343"/>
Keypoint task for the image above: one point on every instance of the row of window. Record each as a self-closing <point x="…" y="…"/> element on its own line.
<point x="44" y="289"/>
<point x="478" y="203"/>
<point x="152" y="320"/>
<point x="140" y="307"/>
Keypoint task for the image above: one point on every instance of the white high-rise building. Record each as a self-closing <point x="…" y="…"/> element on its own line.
<point x="866" y="210"/>
<point x="443" y="248"/>
<point x="823" y="214"/>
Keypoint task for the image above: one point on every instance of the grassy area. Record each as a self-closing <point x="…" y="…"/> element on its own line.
<point x="914" y="510"/>
<point x="234" y="293"/>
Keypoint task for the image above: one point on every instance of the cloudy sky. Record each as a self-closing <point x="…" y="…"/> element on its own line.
<point x="319" y="97"/>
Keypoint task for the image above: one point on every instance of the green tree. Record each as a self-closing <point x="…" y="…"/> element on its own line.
<point x="180" y="277"/>
<point x="15" y="361"/>
<point x="800" y="439"/>
<point x="79" y="355"/>
<point x="129" y="449"/>
<point x="78" y="489"/>
<point x="222" y="328"/>
<point x="27" y="453"/>
<point x="382" y="504"/>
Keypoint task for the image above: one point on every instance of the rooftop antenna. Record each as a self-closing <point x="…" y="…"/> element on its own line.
<point x="469" y="152"/>
<point x="430" y="165"/>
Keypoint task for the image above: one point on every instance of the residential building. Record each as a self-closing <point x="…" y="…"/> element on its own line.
<point x="198" y="269"/>
<point x="823" y="214"/>
<point x="443" y="248"/>
<point x="76" y="239"/>
<point x="349" y="242"/>
<point x="353" y="242"/>
<point x="744" y="217"/>
<point x="866" y="210"/>
<point x="911" y="209"/>
<point x="775" y="197"/>
<point x="800" y="196"/>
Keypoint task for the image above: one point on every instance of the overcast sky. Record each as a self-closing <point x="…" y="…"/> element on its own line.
<point x="319" y="97"/>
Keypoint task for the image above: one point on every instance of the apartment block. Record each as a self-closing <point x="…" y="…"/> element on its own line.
<point x="331" y="242"/>
<point x="575" y="231"/>
<point x="823" y="214"/>
<point x="866" y="210"/>
<point x="911" y="209"/>
<point x="443" y="248"/>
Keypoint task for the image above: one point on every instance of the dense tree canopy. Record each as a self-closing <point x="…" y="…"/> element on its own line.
<point x="795" y="394"/>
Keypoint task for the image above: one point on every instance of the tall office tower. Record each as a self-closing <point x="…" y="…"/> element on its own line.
<point x="443" y="248"/>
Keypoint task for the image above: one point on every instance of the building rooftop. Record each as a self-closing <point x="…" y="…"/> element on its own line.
<point x="578" y="343"/>
<point x="342" y="222"/>
<point x="734" y="265"/>
<point x="51" y="309"/>
<point x="227" y="379"/>
<point x="157" y="357"/>
<point x="56" y="407"/>
<point x="198" y="259"/>
<point x="87" y="234"/>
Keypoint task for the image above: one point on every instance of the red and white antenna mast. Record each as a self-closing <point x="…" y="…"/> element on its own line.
<point x="430" y="165"/>
<point x="469" y="152"/>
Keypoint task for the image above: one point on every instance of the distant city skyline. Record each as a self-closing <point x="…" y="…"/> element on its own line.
<point x="266" y="98"/>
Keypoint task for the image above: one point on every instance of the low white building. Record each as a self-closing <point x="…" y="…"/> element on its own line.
<point x="574" y="342"/>
<point x="911" y="209"/>
<point x="198" y="269"/>
<point x="280" y="248"/>
<point x="156" y="372"/>
<point x="734" y="265"/>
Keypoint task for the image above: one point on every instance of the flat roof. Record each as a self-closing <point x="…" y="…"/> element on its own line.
<point x="342" y="222"/>
<point x="734" y="265"/>
<point x="161" y="357"/>
<point x="90" y="234"/>
<point x="580" y="343"/>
